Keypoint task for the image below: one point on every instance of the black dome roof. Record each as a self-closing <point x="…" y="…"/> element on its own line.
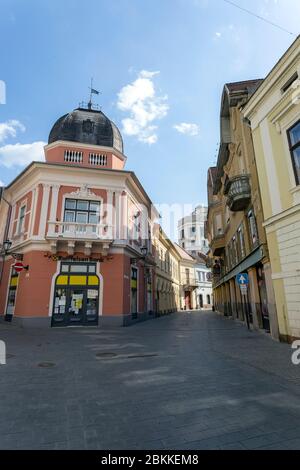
<point x="87" y="126"/>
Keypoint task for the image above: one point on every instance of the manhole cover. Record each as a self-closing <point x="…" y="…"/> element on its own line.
<point x="106" y="354"/>
<point x="137" y="356"/>
<point x="46" y="364"/>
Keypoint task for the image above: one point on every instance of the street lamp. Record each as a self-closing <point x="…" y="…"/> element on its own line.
<point x="144" y="251"/>
<point x="7" y="245"/>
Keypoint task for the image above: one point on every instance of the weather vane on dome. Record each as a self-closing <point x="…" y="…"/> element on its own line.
<point x="93" y="91"/>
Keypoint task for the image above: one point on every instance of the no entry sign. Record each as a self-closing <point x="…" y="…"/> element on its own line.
<point x="19" y="266"/>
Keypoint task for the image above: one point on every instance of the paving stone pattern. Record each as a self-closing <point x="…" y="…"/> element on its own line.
<point x="185" y="381"/>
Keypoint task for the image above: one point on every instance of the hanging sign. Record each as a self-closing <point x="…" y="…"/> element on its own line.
<point x="18" y="267"/>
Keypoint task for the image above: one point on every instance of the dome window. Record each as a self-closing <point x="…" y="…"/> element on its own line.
<point x="97" y="159"/>
<point x="72" y="156"/>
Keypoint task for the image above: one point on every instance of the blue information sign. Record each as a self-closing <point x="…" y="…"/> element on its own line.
<point x="242" y="279"/>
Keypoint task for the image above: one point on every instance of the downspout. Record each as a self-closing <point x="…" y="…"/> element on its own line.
<point x="5" y="233"/>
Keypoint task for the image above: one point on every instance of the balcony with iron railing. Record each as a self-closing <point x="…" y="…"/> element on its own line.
<point x="190" y="283"/>
<point x="238" y="193"/>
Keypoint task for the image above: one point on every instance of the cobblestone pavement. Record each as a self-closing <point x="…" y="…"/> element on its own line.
<point x="185" y="381"/>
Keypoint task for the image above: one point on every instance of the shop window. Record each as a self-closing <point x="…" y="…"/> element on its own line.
<point x="79" y="267"/>
<point x="134" y="290"/>
<point x="294" y="143"/>
<point x="12" y="292"/>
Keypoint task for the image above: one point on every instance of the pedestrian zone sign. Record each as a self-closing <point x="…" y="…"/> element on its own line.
<point x="242" y="279"/>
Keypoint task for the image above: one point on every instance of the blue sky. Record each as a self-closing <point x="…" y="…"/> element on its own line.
<point x="160" y="65"/>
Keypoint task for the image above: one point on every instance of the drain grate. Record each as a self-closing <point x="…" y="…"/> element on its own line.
<point x="106" y="354"/>
<point x="46" y="364"/>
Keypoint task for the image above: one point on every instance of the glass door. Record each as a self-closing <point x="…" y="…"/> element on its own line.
<point x="76" y="305"/>
<point x="92" y="301"/>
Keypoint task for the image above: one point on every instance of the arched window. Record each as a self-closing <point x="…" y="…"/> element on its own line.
<point x="208" y="299"/>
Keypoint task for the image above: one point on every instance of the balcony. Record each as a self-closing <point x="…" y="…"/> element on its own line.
<point x="238" y="193"/>
<point x="72" y="236"/>
<point x="217" y="244"/>
<point x="190" y="283"/>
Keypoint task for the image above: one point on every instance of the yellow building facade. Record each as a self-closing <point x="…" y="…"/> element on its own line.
<point x="234" y="225"/>
<point x="274" y="115"/>
<point x="167" y="274"/>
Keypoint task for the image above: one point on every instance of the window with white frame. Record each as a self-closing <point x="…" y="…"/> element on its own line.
<point x="242" y="241"/>
<point x="82" y="212"/>
<point x="21" y="220"/>
<point x="253" y="228"/>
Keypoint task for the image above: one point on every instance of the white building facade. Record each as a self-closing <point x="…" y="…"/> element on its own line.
<point x="191" y="231"/>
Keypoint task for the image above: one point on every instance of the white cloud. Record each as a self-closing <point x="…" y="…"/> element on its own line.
<point x="188" y="129"/>
<point x="10" y="129"/>
<point x="145" y="107"/>
<point x="21" y="154"/>
<point x="1" y="183"/>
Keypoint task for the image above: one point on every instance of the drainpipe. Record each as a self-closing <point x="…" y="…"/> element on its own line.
<point x="5" y="233"/>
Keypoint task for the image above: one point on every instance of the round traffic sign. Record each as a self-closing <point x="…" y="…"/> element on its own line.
<point x="18" y="267"/>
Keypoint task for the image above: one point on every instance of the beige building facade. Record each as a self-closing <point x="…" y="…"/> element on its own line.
<point x="274" y="115"/>
<point x="167" y="279"/>
<point x="235" y="221"/>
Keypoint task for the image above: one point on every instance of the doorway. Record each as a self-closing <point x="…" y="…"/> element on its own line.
<point x="188" y="303"/>
<point x="263" y="297"/>
<point x="76" y="296"/>
<point x="12" y="295"/>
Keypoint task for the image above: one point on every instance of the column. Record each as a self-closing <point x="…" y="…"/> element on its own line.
<point x="109" y="213"/>
<point x="33" y="210"/>
<point x="124" y="217"/>
<point x="53" y="210"/>
<point x="272" y="303"/>
<point x="117" y="218"/>
<point x="233" y="298"/>
<point x="44" y="211"/>
<point x="254" y="299"/>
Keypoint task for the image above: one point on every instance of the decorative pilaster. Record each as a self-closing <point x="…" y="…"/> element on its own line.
<point x="44" y="211"/>
<point x="117" y="218"/>
<point x="109" y="213"/>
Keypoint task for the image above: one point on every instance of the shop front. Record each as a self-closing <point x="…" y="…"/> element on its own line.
<point x="76" y="295"/>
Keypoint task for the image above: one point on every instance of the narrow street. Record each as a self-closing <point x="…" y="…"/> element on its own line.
<point x="185" y="381"/>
